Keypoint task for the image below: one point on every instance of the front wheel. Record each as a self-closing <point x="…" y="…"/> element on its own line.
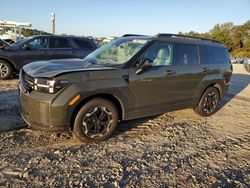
<point x="6" y="70"/>
<point x="208" y="102"/>
<point x="95" y="121"/>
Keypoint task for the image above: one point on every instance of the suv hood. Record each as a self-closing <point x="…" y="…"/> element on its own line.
<point x="55" y="67"/>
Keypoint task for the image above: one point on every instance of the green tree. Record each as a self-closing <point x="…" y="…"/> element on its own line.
<point x="236" y="38"/>
<point x="31" y="32"/>
<point x="224" y="34"/>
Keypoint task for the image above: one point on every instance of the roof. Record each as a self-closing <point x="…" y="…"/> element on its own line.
<point x="179" y="38"/>
<point x="61" y="36"/>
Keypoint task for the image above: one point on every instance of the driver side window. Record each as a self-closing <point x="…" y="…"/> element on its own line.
<point x="160" y="54"/>
<point x="38" y="43"/>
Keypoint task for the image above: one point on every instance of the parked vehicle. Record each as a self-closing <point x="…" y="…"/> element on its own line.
<point x="247" y="64"/>
<point x="240" y="60"/>
<point x="233" y="60"/>
<point x="130" y="77"/>
<point x="43" y="47"/>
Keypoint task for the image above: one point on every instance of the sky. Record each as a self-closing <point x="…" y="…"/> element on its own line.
<point x="117" y="17"/>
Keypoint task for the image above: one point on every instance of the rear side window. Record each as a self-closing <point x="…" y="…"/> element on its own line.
<point x="60" y="43"/>
<point x="186" y="54"/>
<point x="83" y="44"/>
<point x="213" y="55"/>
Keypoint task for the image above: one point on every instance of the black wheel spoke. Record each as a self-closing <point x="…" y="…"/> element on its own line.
<point x="210" y="102"/>
<point x="102" y="115"/>
<point x="96" y="122"/>
<point x="3" y="70"/>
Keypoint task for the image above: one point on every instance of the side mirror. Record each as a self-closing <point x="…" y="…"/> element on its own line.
<point x="144" y="64"/>
<point x="26" y="47"/>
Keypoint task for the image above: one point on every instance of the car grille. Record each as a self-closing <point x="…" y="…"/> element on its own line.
<point x="26" y="81"/>
<point x="29" y="80"/>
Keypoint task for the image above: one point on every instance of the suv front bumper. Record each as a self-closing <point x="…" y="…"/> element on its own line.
<point x="40" y="114"/>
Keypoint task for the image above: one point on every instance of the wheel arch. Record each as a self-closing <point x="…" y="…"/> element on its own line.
<point x="219" y="88"/>
<point x="10" y="62"/>
<point x="110" y="97"/>
<point x="215" y="85"/>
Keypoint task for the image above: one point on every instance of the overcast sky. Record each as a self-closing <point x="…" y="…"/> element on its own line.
<point x="117" y="17"/>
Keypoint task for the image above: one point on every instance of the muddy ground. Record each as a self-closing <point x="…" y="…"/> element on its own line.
<point x="177" y="149"/>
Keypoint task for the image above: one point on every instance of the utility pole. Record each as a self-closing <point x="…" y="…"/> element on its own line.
<point x="53" y="19"/>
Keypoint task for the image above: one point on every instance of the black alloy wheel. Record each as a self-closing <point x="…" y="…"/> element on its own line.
<point x="95" y="121"/>
<point x="208" y="102"/>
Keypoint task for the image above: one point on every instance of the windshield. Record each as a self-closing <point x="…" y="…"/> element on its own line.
<point x="117" y="52"/>
<point x="3" y="43"/>
<point x="20" y="42"/>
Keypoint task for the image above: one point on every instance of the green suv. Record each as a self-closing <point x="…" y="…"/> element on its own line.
<point x="131" y="77"/>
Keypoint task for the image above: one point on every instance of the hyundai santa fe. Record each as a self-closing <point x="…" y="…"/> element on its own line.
<point x="131" y="77"/>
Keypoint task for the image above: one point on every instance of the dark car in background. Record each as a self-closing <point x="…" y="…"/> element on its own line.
<point x="130" y="77"/>
<point x="43" y="47"/>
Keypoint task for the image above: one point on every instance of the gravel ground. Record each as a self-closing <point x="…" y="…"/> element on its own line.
<point x="178" y="149"/>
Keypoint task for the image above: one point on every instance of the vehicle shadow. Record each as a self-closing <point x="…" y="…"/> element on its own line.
<point x="238" y="83"/>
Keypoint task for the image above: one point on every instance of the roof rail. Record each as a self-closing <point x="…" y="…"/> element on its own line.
<point x="184" y="36"/>
<point x="132" y="35"/>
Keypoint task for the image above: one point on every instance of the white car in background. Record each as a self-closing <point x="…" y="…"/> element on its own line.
<point x="247" y="64"/>
<point x="233" y="60"/>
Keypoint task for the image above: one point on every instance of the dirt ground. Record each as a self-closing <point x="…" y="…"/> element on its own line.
<point x="177" y="149"/>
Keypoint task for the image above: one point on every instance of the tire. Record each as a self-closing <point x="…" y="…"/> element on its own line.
<point x="91" y="120"/>
<point x="208" y="102"/>
<point x="6" y="70"/>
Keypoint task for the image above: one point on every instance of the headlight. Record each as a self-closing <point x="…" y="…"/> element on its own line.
<point x="49" y="85"/>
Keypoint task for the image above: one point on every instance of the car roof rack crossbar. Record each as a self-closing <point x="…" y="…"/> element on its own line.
<point x="132" y="35"/>
<point x="184" y="36"/>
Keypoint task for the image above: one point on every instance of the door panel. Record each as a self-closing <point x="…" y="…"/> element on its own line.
<point x="81" y="53"/>
<point x="83" y="46"/>
<point x="153" y="88"/>
<point x="188" y="79"/>
<point x="62" y="53"/>
<point x="27" y="56"/>
<point x="61" y="48"/>
<point x="35" y="49"/>
<point x="189" y="72"/>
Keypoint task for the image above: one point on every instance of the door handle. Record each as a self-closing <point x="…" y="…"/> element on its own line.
<point x="170" y="72"/>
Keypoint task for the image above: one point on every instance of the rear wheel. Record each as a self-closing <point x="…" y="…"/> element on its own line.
<point x="6" y="70"/>
<point x="95" y="121"/>
<point x="208" y="102"/>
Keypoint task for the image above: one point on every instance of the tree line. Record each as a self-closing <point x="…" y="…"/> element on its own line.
<point x="235" y="37"/>
<point x="31" y="32"/>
